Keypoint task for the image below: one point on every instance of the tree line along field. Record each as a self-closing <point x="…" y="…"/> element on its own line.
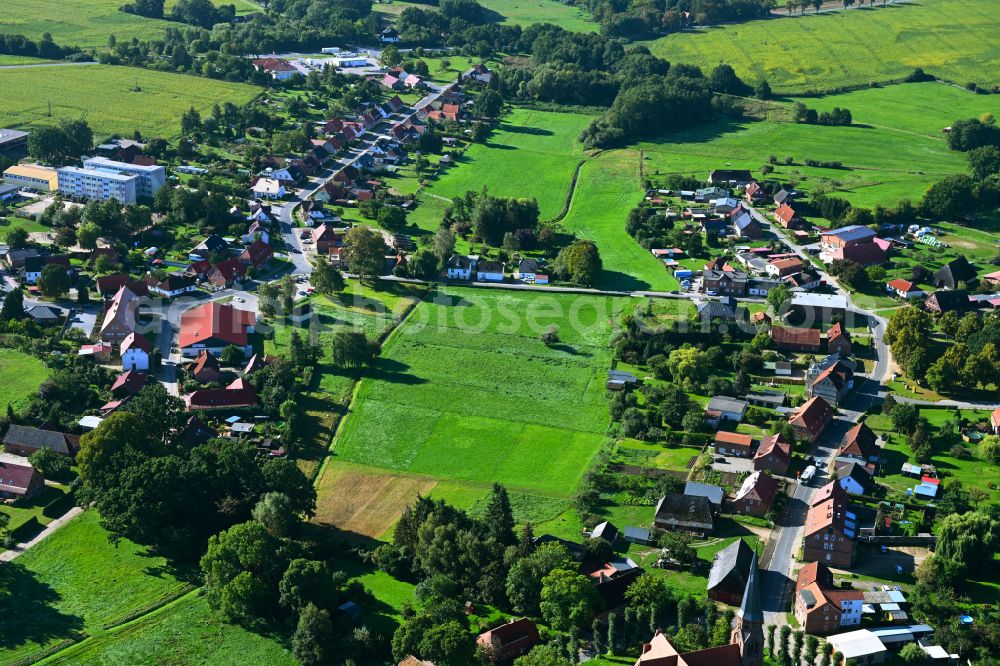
<point x="895" y="150"/>
<point x="88" y="23"/>
<point x="951" y="39"/>
<point x="466" y="394"/>
<point x="108" y="98"/>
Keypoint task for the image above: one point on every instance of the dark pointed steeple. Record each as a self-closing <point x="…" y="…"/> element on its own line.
<point x="749" y="630"/>
<point x="750" y="610"/>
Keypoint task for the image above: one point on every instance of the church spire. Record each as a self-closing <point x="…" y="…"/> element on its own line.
<point x="748" y="633"/>
<point x="750" y="610"/>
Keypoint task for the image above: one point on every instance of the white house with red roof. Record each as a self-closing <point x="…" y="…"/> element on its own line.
<point x="279" y="69"/>
<point x="135" y="350"/>
<point x="903" y="289"/>
<point x="213" y="327"/>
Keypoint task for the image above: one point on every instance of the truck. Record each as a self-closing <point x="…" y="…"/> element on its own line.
<point x="808" y="474"/>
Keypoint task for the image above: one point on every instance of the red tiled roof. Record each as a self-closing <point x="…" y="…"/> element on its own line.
<point x="733" y="438"/>
<point x="813" y="415"/>
<point x="136" y="340"/>
<point x="899" y="284"/>
<point x="774" y="444"/>
<point x="15" y="478"/>
<point x="131" y="381"/>
<point x="257" y="253"/>
<point x="785" y="213"/>
<point x="218" y="321"/>
<point x="205" y="361"/>
<point x="230" y="269"/>
<point x="795" y="336"/>
<point x="274" y="65"/>
<point x="219" y="398"/>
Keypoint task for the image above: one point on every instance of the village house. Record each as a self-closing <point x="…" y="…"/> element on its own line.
<point x="714" y="494"/>
<point x="786" y="216"/>
<point x="108" y="285"/>
<point x="489" y="271"/>
<point x="724" y="408"/>
<point x="214" y="326"/>
<point x="206" y="368"/>
<point x="226" y="273"/>
<point x="460" y="267"/>
<point x="733" y="444"/>
<point x="725" y="283"/>
<point x="239" y="394"/>
<point x="948" y="301"/>
<point x="256" y="254"/>
<point x="120" y="317"/>
<point x="903" y="288"/>
<point x="831" y="378"/>
<point x="279" y="69"/>
<point x="213" y="244"/>
<point x="529" y="270"/>
<point x="860" y="443"/>
<point x="954" y="273"/>
<point x="755" y="495"/>
<point x="19" y="481"/>
<point x="744" y="224"/>
<point x="820" y="607"/>
<point x="22" y="440"/>
<point x="135" y="351"/>
<point x="811" y="419"/>
<point x="174" y="285"/>
<point x="754" y="193"/>
<point x="795" y="339"/>
<point x="778" y="268"/>
<point x="128" y="384"/>
<point x="838" y="340"/>
<point x="830" y="529"/>
<point x="851" y="243"/>
<point x="676" y="511"/>
<point x="816" y="308"/>
<point x="268" y="188"/>
<point x="854" y="477"/>
<point x="100" y="352"/>
<point x="730" y="177"/>
<point x="774" y="455"/>
<point x="509" y="641"/>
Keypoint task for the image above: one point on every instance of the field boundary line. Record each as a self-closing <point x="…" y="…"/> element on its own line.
<point x="71" y="649"/>
<point x="349" y="408"/>
<point x="569" y="195"/>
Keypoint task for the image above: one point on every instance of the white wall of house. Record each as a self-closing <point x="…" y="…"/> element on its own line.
<point x="135" y="359"/>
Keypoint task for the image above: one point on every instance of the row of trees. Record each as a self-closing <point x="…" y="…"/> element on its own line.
<point x="836" y="116"/>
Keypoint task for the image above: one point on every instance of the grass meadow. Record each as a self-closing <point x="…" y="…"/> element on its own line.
<point x="107" y="98"/>
<point x="76" y="583"/>
<point x="951" y="39"/>
<point x="895" y="150"/>
<point x="514" y="12"/>
<point x="88" y="23"/>
<point x="466" y="394"/>
<point x="20" y="376"/>
<point x="531" y="154"/>
<point x="184" y="632"/>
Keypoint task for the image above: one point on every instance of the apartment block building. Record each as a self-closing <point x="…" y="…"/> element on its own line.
<point x="97" y="184"/>
<point x="150" y="178"/>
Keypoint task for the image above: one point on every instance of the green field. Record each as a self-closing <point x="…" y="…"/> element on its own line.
<point x="515" y="12"/>
<point x="75" y="583"/>
<point x="530" y="154"/>
<point x="106" y="97"/>
<point x="466" y="394"/>
<point x="607" y="188"/>
<point x="8" y="60"/>
<point x="185" y="632"/>
<point x="950" y="39"/>
<point x="20" y="375"/>
<point x="88" y="23"/>
<point x="894" y="151"/>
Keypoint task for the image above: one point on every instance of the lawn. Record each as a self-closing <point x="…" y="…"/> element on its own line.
<point x="887" y="156"/>
<point x="607" y="188"/>
<point x="8" y="60"/>
<point x="107" y="97"/>
<point x="973" y="472"/>
<point x="950" y="39"/>
<point x="466" y="394"/>
<point x="530" y="154"/>
<point x="183" y="632"/>
<point x="75" y="583"/>
<point x="20" y="376"/>
<point x="88" y="23"/>
<point x="515" y="12"/>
